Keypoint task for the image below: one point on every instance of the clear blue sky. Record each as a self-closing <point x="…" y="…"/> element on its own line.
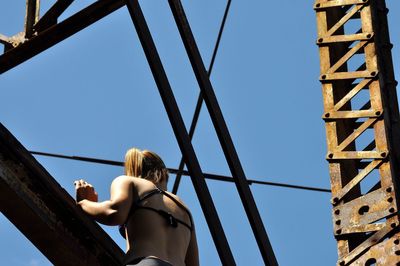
<point x="93" y="95"/>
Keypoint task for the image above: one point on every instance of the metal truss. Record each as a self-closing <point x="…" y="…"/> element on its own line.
<point x="46" y="214"/>
<point x="362" y="128"/>
<point x="42" y="33"/>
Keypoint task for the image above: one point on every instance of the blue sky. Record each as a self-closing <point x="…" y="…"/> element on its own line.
<point x="94" y="95"/>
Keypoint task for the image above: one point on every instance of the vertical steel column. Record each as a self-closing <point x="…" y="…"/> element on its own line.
<point x="181" y="134"/>
<point x="32" y="16"/>
<point x="362" y="124"/>
<point x="223" y="133"/>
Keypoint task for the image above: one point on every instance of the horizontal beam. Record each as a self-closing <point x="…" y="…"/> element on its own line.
<point x="46" y="214"/>
<point x="58" y="33"/>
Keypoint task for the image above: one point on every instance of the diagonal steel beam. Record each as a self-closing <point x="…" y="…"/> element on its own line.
<point x="46" y="214"/>
<point x="181" y="134"/>
<point x="58" y="33"/>
<point x="223" y="133"/>
<point x="51" y="16"/>
<point x="200" y="101"/>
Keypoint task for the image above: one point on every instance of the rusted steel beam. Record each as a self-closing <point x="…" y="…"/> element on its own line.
<point x="51" y="16"/>
<point x="181" y="134"/>
<point x="223" y="133"/>
<point x="46" y="214"/>
<point x="363" y="145"/>
<point x="58" y="33"/>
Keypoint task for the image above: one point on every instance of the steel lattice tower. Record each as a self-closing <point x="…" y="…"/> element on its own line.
<point x="364" y="173"/>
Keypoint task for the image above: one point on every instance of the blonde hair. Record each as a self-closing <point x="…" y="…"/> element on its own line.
<point x="145" y="164"/>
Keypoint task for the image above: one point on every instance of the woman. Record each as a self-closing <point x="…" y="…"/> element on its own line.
<point x="158" y="227"/>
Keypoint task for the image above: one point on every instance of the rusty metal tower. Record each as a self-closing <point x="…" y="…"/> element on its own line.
<point x="362" y="128"/>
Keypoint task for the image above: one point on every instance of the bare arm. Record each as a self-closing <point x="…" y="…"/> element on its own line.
<point x="192" y="253"/>
<point x="110" y="212"/>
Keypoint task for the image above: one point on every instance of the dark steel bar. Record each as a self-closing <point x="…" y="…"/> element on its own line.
<point x="192" y="128"/>
<point x="223" y="133"/>
<point x="200" y="97"/>
<point x="58" y="33"/>
<point x="32" y="16"/>
<point x="181" y="134"/>
<point x="51" y="16"/>
<point x="46" y="214"/>
<point x="182" y="172"/>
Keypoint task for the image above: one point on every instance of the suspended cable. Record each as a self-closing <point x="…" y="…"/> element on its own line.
<point x="183" y="172"/>
<point x="199" y="103"/>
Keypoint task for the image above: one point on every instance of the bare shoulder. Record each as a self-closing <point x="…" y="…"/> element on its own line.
<point x="122" y="182"/>
<point x="123" y="179"/>
<point x="178" y="199"/>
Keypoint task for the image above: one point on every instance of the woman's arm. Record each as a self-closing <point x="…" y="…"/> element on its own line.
<point x="110" y="212"/>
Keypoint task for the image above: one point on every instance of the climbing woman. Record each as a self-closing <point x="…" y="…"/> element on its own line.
<point x="157" y="225"/>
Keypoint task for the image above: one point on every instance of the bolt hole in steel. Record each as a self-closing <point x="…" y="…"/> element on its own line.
<point x="391" y="210"/>
<point x="337" y="212"/>
<point x="317" y="5"/>
<point x="378" y="112"/>
<point x="338" y="222"/>
<point x="373" y="73"/>
<point x="396" y="241"/>
<point x="369" y="36"/>
<point x="330" y="155"/>
<point x="323" y="77"/>
<point x="370" y="262"/>
<point x="364" y="209"/>
<point x="390" y="199"/>
<point x="320" y="39"/>
<point x="339" y="231"/>
<point x="393" y="225"/>
<point x="327" y="115"/>
<point x="383" y="154"/>
<point x="397" y="252"/>
<point x="389" y="189"/>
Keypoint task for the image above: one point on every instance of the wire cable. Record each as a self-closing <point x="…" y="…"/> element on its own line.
<point x="183" y="172"/>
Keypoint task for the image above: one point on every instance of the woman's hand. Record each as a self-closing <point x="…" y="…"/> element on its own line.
<point x="84" y="190"/>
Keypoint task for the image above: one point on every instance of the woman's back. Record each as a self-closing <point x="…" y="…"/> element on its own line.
<point x="159" y="224"/>
<point x="158" y="227"/>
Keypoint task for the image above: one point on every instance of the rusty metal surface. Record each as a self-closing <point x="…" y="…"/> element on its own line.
<point x="362" y="152"/>
<point x="46" y="214"/>
<point x="27" y="48"/>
